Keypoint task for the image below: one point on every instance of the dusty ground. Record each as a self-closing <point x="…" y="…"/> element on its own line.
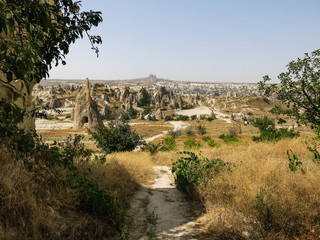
<point x="160" y="211"/>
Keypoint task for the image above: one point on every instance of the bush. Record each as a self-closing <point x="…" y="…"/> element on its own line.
<point x="152" y="148"/>
<point x="168" y="144"/>
<point x="192" y="171"/>
<point x="169" y="118"/>
<point x="191" y="143"/>
<point x="182" y="118"/>
<point x="268" y="131"/>
<point x="189" y="131"/>
<point x="175" y="133"/>
<point x="117" y="137"/>
<point x="281" y="121"/>
<point x="229" y="138"/>
<point x="209" y="141"/>
<point x="201" y="129"/>
<point x="146" y="111"/>
<point x="193" y="117"/>
<point x="210" y="119"/>
<point x="52" y="171"/>
<point x="125" y="116"/>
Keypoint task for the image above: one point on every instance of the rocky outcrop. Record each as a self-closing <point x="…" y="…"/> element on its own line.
<point x="67" y="103"/>
<point x="150" y="117"/>
<point x="86" y="113"/>
<point x="106" y="112"/>
<point x="55" y="102"/>
<point x="143" y="97"/>
<point x="125" y="94"/>
<point x="18" y="94"/>
<point x="159" y="115"/>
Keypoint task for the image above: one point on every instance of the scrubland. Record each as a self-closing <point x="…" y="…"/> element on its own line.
<point x="252" y="195"/>
<point x="85" y="201"/>
<point x="256" y="196"/>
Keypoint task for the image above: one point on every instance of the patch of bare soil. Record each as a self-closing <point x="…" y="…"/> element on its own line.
<point x="160" y="211"/>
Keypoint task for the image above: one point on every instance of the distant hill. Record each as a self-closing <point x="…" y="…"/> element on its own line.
<point x="147" y="80"/>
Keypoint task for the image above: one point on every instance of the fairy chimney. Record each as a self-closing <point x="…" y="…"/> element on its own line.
<point x="86" y="112"/>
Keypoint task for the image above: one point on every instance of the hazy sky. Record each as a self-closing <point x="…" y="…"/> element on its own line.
<point x="195" y="40"/>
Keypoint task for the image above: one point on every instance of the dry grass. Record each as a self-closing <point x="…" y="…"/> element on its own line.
<point x="150" y="129"/>
<point x="260" y="195"/>
<point x="34" y="205"/>
<point x="138" y="164"/>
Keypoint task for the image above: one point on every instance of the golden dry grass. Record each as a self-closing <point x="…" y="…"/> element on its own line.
<point x="149" y="129"/>
<point x="259" y="184"/>
<point x="34" y="205"/>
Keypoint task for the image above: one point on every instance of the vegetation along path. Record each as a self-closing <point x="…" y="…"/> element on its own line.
<point x="160" y="211"/>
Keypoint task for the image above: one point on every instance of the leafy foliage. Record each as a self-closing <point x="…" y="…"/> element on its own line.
<point x="188" y="131"/>
<point x="209" y="141"/>
<point x="294" y="162"/>
<point x="268" y="131"/>
<point x="116" y="137"/>
<point x="201" y="129"/>
<point x="210" y="119"/>
<point x="10" y="117"/>
<point x="299" y="88"/>
<point x="191" y="143"/>
<point x="175" y="133"/>
<point x="61" y="159"/>
<point x="168" y="144"/>
<point x="37" y="34"/>
<point x="152" y="148"/>
<point x="191" y="171"/>
<point x="193" y="117"/>
<point x="229" y="138"/>
<point x="182" y="118"/>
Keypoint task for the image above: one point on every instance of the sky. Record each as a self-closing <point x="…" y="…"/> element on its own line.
<point x="195" y="40"/>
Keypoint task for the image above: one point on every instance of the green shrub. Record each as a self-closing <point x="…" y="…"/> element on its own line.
<point x="68" y="116"/>
<point x="188" y="131"/>
<point x="268" y="131"/>
<point x="209" y="141"/>
<point x="191" y="171"/>
<point x="168" y="144"/>
<point x="175" y="133"/>
<point x="281" y="121"/>
<point x="201" y="129"/>
<point x="182" y="118"/>
<point x="191" y="143"/>
<point x="210" y="119"/>
<point x="60" y="159"/>
<point x="125" y="116"/>
<point x="193" y="117"/>
<point x="146" y="111"/>
<point x="144" y="102"/>
<point x="117" y="137"/>
<point x="229" y="138"/>
<point x="152" y="148"/>
<point x="206" y="138"/>
<point x="169" y="118"/>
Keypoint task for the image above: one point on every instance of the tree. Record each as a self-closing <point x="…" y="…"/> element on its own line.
<point x="35" y="34"/>
<point x="299" y="89"/>
<point x="117" y="137"/>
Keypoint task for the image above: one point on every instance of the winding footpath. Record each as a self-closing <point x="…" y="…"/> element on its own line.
<point x="171" y="213"/>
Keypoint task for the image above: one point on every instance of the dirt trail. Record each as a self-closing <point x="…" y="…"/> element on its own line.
<point x="161" y="211"/>
<point x="176" y="126"/>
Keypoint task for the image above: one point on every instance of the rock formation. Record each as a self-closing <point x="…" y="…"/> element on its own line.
<point x="17" y="93"/>
<point x="159" y="115"/>
<point x="86" y="111"/>
<point x="54" y="103"/>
